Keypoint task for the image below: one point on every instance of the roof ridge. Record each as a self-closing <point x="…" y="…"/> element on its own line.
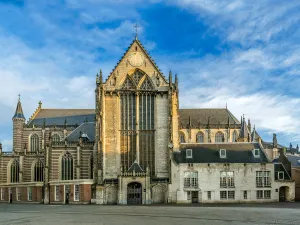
<point x="199" y="108"/>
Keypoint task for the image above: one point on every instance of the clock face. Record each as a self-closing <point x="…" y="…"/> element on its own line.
<point x="136" y="59"/>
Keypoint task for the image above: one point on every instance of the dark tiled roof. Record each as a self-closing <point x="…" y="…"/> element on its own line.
<point x="135" y="167"/>
<point x="50" y="113"/>
<point x="280" y="168"/>
<point x="209" y="153"/>
<point x="60" y="121"/>
<point x="19" y="111"/>
<point x="200" y="116"/>
<point x="85" y="130"/>
<point x="294" y="159"/>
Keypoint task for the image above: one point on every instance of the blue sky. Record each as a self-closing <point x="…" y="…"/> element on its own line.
<point x="240" y="52"/>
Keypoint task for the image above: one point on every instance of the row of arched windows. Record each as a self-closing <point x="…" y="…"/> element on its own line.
<point x="67" y="169"/>
<point x="38" y="171"/>
<point x="35" y="141"/>
<point x="219" y="137"/>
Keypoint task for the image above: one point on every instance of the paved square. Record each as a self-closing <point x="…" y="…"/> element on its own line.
<point x="286" y="213"/>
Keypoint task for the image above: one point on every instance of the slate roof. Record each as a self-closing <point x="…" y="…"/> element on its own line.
<point x="85" y="130"/>
<point x="200" y="116"/>
<point x="209" y="153"/>
<point x="294" y="159"/>
<point x="135" y="167"/>
<point x="50" y="113"/>
<point x="280" y="168"/>
<point x="19" y="111"/>
<point x="59" y="116"/>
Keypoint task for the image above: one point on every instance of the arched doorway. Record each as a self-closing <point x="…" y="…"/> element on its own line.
<point x="134" y="193"/>
<point x="283" y="194"/>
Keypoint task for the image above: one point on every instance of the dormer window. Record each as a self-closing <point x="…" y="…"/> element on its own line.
<point x="222" y="153"/>
<point x="189" y="153"/>
<point x="280" y="175"/>
<point x="256" y="153"/>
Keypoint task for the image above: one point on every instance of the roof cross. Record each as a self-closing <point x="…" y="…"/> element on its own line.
<point x="136" y="30"/>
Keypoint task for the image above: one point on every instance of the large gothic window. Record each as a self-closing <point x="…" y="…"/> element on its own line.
<point x="14" y="171"/>
<point x="200" y="137"/>
<point x="128" y="123"/>
<point x="137" y="108"/>
<point x="55" y="138"/>
<point x="146" y="126"/>
<point x="67" y="167"/>
<point x="219" y="137"/>
<point x="38" y="171"/>
<point x="34" y="143"/>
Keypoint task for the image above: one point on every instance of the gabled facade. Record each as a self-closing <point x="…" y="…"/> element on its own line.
<point x="122" y="152"/>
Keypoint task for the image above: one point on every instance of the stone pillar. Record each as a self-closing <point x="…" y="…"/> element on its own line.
<point x="78" y="163"/>
<point x="21" y="157"/>
<point x="46" y="177"/>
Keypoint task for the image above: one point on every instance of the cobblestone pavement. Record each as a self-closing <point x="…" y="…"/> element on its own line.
<point x="276" y="213"/>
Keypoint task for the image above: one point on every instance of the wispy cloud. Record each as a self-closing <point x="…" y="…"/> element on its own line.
<point x="255" y="69"/>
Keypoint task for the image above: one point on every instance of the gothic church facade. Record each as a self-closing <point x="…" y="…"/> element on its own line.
<point x="121" y="152"/>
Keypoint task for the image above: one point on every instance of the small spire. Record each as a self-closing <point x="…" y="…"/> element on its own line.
<point x="100" y="77"/>
<point x="176" y="81"/>
<point x="19" y="111"/>
<point x="275" y="145"/>
<point x="170" y="78"/>
<point x="226" y="105"/>
<point x="253" y="134"/>
<point x="65" y="124"/>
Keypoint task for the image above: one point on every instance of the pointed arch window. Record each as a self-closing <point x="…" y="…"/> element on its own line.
<point x="55" y="138"/>
<point x="219" y="137"/>
<point x="200" y="137"/>
<point x="182" y="138"/>
<point x="91" y="164"/>
<point x="234" y="136"/>
<point x="147" y="85"/>
<point x="128" y="84"/>
<point x="15" y="172"/>
<point x="137" y="76"/>
<point x="67" y="167"/>
<point x="38" y="171"/>
<point x="34" y="143"/>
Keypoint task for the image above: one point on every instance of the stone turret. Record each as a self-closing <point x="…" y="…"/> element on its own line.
<point x="18" y="125"/>
<point x="244" y="133"/>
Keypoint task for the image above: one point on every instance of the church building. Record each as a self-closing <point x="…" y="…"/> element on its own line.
<point x="138" y="147"/>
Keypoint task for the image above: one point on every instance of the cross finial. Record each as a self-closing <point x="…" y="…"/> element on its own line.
<point x="136" y="26"/>
<point x="19" y="96"/>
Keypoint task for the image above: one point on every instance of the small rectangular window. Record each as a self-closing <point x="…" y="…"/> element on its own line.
<point x="223" y="153"/>
<point x="223" y="195"/>
<point x="231" y="194"/>
<point x="18" y="194"/>
<point x="281" y="175"/>
<point x="245" y="195"/>
<point x="29" y="193"/>
<point x="57" y="191"/>
<point x="76" y="192"/>
<point x="189" y="153"/>
<point x="256" y="153"/>
<point x="259" y="194"/>
<point x="209" y="195"/>
<point x="267" y="194"/>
